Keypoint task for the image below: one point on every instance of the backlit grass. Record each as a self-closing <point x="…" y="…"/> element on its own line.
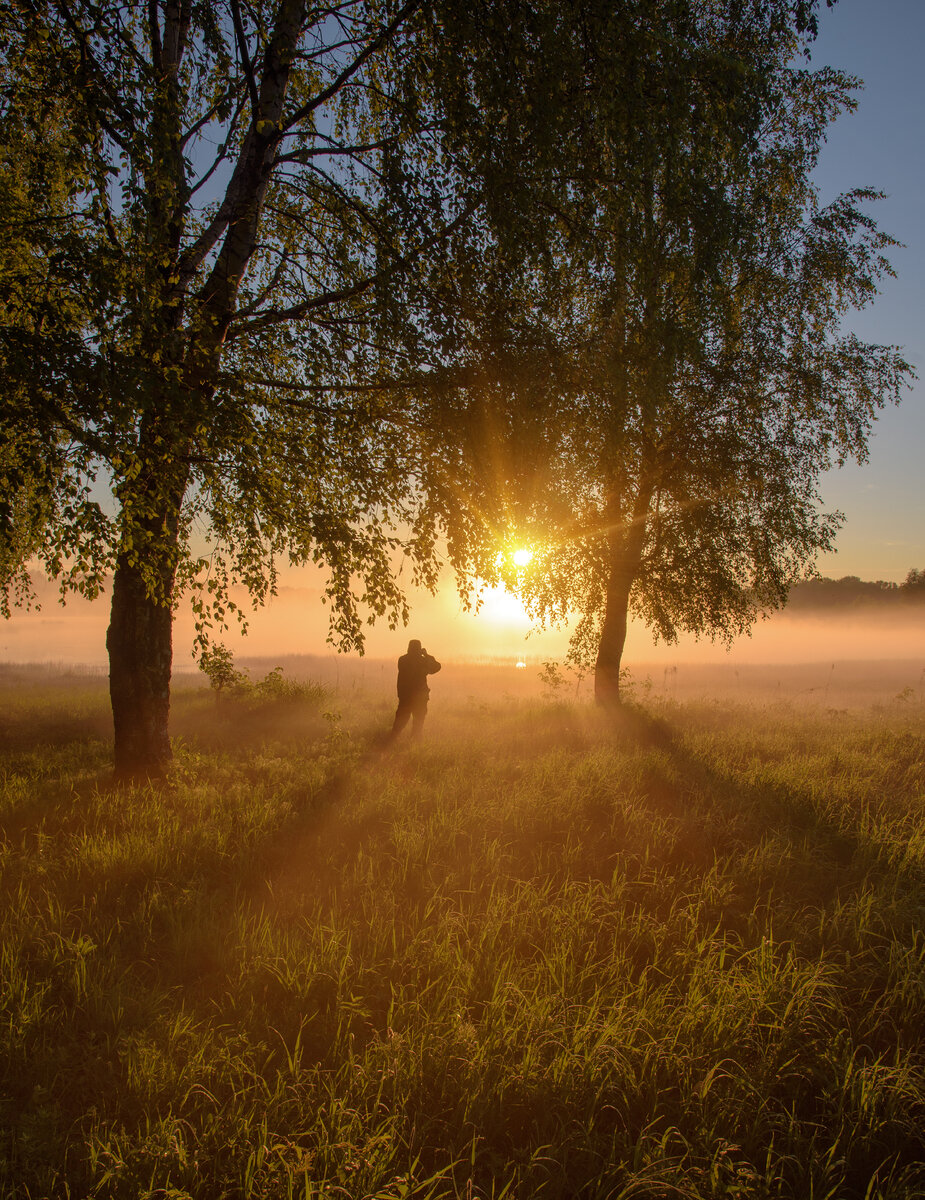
<point x="537" y="955"/>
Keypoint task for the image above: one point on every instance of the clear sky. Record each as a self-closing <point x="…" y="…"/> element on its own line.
<point x="881" y="145"/>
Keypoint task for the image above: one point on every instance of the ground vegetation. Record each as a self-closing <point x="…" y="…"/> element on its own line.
<point x="538" y="954"/>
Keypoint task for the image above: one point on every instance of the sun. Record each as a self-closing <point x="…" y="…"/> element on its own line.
<point x="522" y="557"/>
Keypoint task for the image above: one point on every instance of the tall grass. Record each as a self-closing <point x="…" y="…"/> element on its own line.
<point x="537" y="955"/>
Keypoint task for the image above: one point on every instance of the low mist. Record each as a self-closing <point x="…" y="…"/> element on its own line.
<point x="864" y="653"/>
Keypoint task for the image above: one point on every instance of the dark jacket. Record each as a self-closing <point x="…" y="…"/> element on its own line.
<point x="413" y="670"/>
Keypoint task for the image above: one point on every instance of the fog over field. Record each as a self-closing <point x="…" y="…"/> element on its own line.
<point x="294" y="623"/>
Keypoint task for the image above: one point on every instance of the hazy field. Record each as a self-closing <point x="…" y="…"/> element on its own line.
<point x="537" y="955"/>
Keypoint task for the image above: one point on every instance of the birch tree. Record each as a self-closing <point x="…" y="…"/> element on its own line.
<point x="662" y="455"/>
<point x="258" y="182"/>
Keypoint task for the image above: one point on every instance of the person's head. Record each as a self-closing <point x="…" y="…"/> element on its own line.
<point x="414" y="646"/>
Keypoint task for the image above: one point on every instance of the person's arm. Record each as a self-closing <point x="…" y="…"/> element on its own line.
<point x="431" y="665"/>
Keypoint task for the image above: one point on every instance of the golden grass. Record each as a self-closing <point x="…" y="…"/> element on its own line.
<point x="539" y="954"/>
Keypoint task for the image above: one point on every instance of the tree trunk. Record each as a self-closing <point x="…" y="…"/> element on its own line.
<point x="140" y="645"/>
<point x="613" y="634"/>
<point x="625" y="546"/>
<point x="140" y="635"/>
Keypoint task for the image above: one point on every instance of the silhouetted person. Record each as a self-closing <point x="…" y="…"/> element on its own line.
<point x="413" y="692"/>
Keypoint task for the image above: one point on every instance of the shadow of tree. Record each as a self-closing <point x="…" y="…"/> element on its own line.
<point x="263" y="842"/>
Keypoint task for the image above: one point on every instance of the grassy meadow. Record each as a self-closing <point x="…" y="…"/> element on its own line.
<point x="538" y="954"/>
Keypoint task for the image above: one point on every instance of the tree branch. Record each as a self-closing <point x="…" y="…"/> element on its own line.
<point x="330" y="150"/>
<point x="209" y="114"/>
<point x="325" y="299"/>
<point x="245" y="57"/>
<point x="154" y="31"/>
<point x="371" y="47"/>
<point x="99" y="77"/>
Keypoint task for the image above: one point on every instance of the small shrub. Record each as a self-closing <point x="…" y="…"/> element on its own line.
<point x="553" y="680"/>
<point x="217" y="664"/>
<point x="275" y="686"/>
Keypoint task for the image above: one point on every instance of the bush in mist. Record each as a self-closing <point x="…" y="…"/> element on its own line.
<point x="217" y="664"/>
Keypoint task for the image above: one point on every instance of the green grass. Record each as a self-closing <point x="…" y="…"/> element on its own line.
<point x="536" y="955"/>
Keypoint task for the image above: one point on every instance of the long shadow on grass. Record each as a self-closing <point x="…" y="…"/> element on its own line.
<point x="120" y="947"/>
<point x="64" y="760"/>
<point x="792" y="855"/>
<point x="789" y="856"/>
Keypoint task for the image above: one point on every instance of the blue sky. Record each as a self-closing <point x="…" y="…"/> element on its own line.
<point x="882" y="145"/>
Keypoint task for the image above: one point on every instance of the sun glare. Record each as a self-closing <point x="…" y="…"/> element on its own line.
<point x="522" y="557"/>
<point x="501" y="607"/>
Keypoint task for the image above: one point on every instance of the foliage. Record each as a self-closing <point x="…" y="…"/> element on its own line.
<point x="555" y="679"/>
<point x="253" y="184"/>
<point x="48" y="274"/>
<point x="275" y="686"/>
<point x="552" y="679"/>
<point x="535" y="955"/>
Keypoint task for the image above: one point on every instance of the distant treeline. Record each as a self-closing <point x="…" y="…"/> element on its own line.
<point x="852" y="592"/>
